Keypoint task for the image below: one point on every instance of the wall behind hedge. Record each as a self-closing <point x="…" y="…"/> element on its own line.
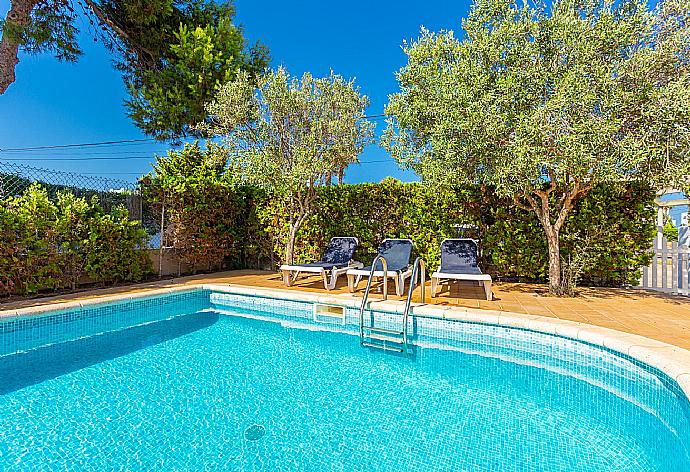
<point x="616" y="224"/>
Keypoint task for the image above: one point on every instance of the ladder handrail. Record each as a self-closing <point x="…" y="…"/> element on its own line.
<point x="384" y="263"/>
<point x="418" y="263"/>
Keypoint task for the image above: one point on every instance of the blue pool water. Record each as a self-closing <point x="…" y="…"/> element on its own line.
<point x="227" y="384"/>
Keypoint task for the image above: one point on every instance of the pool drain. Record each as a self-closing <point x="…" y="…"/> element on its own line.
<point x="254" y="432"/>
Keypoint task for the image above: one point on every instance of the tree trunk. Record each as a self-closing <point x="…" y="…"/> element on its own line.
<point x="552" y="239"/>
<point x="292" y="236"/>
<point x="18" y="16"/>
<point x="341" y="175"/>
<point x="542" y="208"/>
<point x="290" y="246"/>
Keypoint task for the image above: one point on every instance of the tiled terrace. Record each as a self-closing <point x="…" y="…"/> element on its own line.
<point x="656" y="316"/>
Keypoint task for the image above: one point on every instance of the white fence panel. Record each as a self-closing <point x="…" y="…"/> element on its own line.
<point x="668" y="271"/>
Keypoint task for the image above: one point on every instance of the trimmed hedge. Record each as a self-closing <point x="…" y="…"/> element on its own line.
<point x="616" y="224"/>
<point x="46" y="244"/>
<point x="210" y="218"/>
<point x="204" y="212"/>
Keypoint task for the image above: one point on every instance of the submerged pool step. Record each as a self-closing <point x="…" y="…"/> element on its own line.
<point x="386" y="338"/>
<point x="384" y="346"/>
<point x="373" y="329"/>
<point x="382" y="338"/>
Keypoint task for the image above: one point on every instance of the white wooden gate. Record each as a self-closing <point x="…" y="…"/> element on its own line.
<point x="668" y="271"/>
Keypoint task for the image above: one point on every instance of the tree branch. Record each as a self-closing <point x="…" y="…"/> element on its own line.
<point x="533" y="203"/>
<point x="116" y="28"/>
<point x="545" y="210"/>
<point x="519" y="204"/>
<point x="105" y="20"/>
<point x="567" y="205"/>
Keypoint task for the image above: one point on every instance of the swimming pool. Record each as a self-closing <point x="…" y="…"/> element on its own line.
<point x="223" y="381"/>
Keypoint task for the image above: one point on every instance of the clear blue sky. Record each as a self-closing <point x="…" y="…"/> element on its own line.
<point x="59" y="103"/>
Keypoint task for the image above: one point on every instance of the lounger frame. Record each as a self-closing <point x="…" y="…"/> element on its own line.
<point x="483" y="279"/>
<point x="354" y="276"/>
<point x="292" y="271"/>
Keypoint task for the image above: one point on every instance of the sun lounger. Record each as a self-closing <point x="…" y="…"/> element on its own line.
<point x="397" y="253"/>
<point x="459" y="262"/>
<point x="336" y="260"/>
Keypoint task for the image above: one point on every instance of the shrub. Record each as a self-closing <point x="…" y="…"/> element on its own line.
<point x="670" y="231"/>
<point x="614" y="225"/>
<point x="604" y="240"/>
<point x="29" y="256"/>
<point x="113" y="249"/>
<point x="203" y="209"/>
<point x="46" y="244"/>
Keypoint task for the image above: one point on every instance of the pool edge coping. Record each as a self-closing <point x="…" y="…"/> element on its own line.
<point x="672" y="360"/>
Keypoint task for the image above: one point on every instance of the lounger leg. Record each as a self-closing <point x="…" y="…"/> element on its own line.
<point x="434" y="286"/>
<point x="487" y="290"/>
<point x="351" y="283"/>
<point x="325" y="279"/>
<point x="399" y="285"/>
<point x="286" y="278"/>
<point x="334" y="279"/>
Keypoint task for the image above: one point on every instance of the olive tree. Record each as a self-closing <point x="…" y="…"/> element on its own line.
<point x="543" y="102"/>
<point x="289" y="135"/>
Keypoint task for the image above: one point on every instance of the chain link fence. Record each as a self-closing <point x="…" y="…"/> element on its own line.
<point x="16" y="178"/>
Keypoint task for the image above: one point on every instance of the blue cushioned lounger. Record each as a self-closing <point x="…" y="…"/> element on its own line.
<point x="397" y="253"/>
<point x="459" y="261"/>
<point x="336" y="260"/>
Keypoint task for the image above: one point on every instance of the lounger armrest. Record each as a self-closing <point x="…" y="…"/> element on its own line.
<point x="377" y="273"/>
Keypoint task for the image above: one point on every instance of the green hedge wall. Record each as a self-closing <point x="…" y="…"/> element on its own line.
<point x="57" y="243"/>
<point x="54" y="244"/>
<point x="616" y="224"/>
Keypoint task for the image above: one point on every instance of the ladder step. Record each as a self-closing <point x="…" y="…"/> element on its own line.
<point x="382" y="346"/>
<point x="383" y="330"/>
<point x="388" y="339"/>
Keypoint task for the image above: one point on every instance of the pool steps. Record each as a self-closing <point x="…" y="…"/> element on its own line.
<point x="386" y="339"/>
<point x="389" y="339"/>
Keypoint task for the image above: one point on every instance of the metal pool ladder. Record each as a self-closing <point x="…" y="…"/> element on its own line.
<point x="383" y="338"/>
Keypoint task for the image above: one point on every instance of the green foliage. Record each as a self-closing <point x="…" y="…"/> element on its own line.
<point x="173" y="55"/>
<point x="290" y="135"/>
<point x="51" y="29"/>
<point x="75" y="219"/>
<point x="28" y="254"/>
<point x="535" y="96"/>
<point x="183" y="54"/>
<point x="545" y="102"/>
<point x="203" y="210"/>
<point x="115" y="248"/>
<point x="616" y="225"/>
<point x="47" y="244"/>
<point x="670" y="232"/>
